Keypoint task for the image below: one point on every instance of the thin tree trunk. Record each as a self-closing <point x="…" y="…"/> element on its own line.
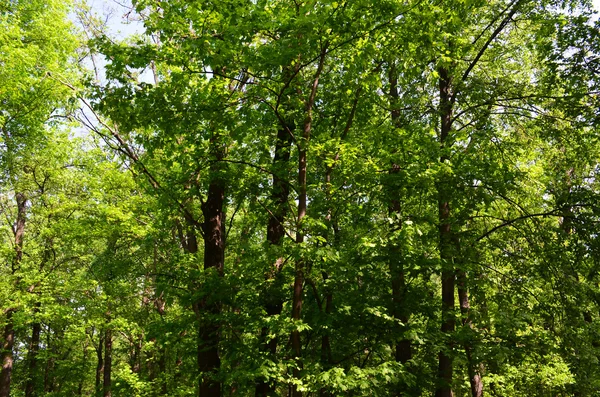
<point x="326" y="359"/>
<point x="326" y="355"/>
<point x="275" y="234"/>
<point x="162" y="366"/>
<point x="403" y="348"/>
<point x="302" y="206"/>
<point x="34" y="347"/>
<point x="9" y="332"/>
<point x="82" y="379"/>
<point x="100" y="364"/>
<point x="48" y="375"/>
<point x="299" y="269"/>
<point x="36" y="330"/>
<point x="107" y="363"/>
<point x="474" y="369"/>
<point x="445" y="368"/>
<point x="325" y="340"/>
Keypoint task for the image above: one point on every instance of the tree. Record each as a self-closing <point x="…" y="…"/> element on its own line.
<point x="36" y="42"/>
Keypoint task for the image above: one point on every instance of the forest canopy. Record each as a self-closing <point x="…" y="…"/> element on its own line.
<point x="300" y="198"/>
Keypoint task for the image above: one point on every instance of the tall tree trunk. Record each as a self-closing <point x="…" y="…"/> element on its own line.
<point x="325" y="340"/>
<point x="162" y="367"/>
<point x="403" y="349"/>
<point x="474" y="369"/>
<point x="135" y="351"/>
<point x="34" y="347"/>
<point x="188" y="241"/>
<point x="7" y="354"/>
<point x="107" y="383"/>
<point x="36" y="329"/>
<point x="302" y="206"/>
<point x="275" y="234"/>
<point x="99" y="364"/>
<point x="326" y="359"/>
<point x="299" y="268"/>
<point x="9" y="332"/>
<point x="48" y="371"/>
<point x="85" y="360"/>
<point x="209" y="361"/>
<point x="445" y="368"/>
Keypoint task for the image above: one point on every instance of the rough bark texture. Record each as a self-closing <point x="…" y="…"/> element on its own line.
<point x="9" y="332"/>
<point x="275" y="234"/>
<point x="474" y="369"/>
<point x="49" y="377"/>
<point x="7" y="355"/>
<point x="99" y="364"/>
<point x="209" y="361"/>
<point x="107" y="363"/>
<point x="446" y="248"/>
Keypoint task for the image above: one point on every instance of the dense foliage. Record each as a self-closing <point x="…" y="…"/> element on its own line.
<point x="300" y="198"/>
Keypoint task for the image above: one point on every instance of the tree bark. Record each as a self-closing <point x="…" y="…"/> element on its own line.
<point x="275" y="234"/>
<point x="162" y="367"/>
<point x="9" y="332"/>
<point x="107" y="363"/>
<point x="100" y="364"/>
<point x="209" y="361"/>
<point x="34" y="347"/>
<point x="445" y="367"/>
<point x="302" y="206"/>
<point x="49" y="378"/>
<point x="7" y="355"/>
<point x="85" y="360"/>
<point x="299" y="267"/>
<point x="473" y="369"/>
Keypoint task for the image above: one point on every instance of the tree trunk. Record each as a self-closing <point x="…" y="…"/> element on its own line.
<point x="107" y="363"/>
<point x="214" y="258"/>
<point x="299" y="267"/>
<point x="82" y="379"/>
<point x="403" y="348"/>
<point x="474" y="369"/>
<point x="34" y="347"/>
<point x="9" y="332"/>
<point x="100" y="364"/>
<point x="302" y="206"/>
<point x="162" y="367"/>
<point x="48" y="371"/>
<point x="445" y="368"/>
<point x="135" y="351"/>
<point x="326" y="355"/>
<point x="325" y="340"/>
<point x="275" y="234"/>
<point x="326" y="359"/>
<point x="7" y="355"/>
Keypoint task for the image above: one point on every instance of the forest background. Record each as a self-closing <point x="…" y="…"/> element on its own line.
<point x="300" y="198"/>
